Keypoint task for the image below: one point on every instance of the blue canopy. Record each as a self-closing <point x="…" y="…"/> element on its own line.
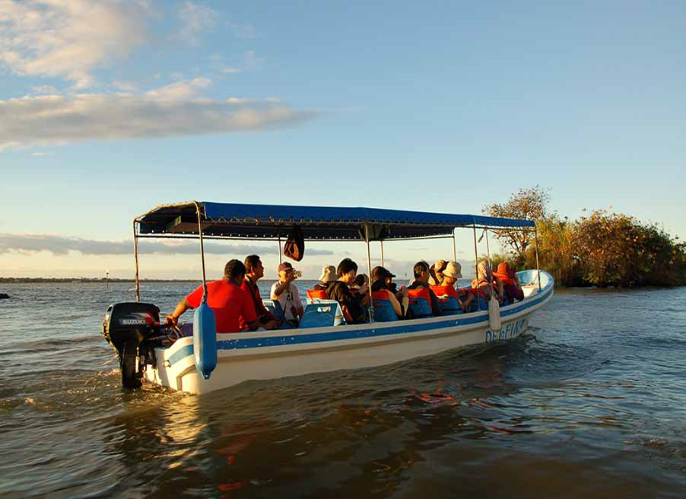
<point x="325" y="223"/>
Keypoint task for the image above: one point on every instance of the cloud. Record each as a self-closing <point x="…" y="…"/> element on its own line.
<point x="29" y="244"/>
<point x="197" y="19"/>
<point x="170" y="111"/>
<point x="68" y="38"/>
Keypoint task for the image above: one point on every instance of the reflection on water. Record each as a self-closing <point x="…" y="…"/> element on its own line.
<point x="590" y="403"/>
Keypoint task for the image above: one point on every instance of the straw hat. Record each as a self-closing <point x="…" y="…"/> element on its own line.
<point x="328" y="274"/>
<point x="453" y="269"/>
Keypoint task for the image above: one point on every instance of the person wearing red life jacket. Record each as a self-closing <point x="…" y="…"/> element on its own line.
<point x="381" y="290"/>
<point x="421" y="281"/>
<point x="319" y="290"/>
<point x="511" y="287"/>
<point x="254" y="271"/>
<point x="487" y="284"/>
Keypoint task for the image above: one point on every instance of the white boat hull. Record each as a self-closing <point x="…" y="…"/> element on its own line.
<point x="266" y="355"/>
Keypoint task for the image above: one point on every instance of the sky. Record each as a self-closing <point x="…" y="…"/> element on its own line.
<point x="109" y="108"/>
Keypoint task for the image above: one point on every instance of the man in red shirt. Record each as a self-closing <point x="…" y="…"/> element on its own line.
<point x="254" y="271"/>
<point x="232" y="305"/>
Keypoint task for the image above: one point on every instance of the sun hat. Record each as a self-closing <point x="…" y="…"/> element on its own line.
<point x="328" y="274"/>
<point x="285" y="266"/>
<point x="453" y="269"/>
<point x="504" y="269"/>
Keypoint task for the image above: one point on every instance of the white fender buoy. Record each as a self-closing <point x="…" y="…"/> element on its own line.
<point x="494" y="315"/>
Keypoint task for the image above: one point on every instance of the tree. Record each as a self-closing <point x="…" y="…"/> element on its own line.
<point x="525" y="204"/>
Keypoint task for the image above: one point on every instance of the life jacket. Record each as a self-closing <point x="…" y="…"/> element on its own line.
<point x="506" y="279"/>
<point x="445" y="291"/>
<point x="383" y="308"/>
<point x="420" y="302"/>
<point x="317" y="294"/>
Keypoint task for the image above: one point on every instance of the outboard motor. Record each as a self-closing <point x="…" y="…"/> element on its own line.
<point x="133" y="330"/>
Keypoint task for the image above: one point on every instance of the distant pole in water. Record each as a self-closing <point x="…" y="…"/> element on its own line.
<point x="107" y="280"/>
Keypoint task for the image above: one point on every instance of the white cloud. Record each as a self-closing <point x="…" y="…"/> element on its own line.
<point x="251" y="60"/>
<point x="173" y="110"/>
<point x="41" y="154"/>
<point x="68" y="38"/>
<point x="197" y="19"/>
<point x="29" y="244"/>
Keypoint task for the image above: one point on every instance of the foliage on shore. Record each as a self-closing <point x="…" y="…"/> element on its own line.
<point x="601" y="249"/>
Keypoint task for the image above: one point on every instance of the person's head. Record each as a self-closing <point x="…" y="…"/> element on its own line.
<point x="381" y="278"/>
<point x="347" y="271"/>
<point x="439" y="266"/>
<point x="234" y="271"/>
<point x="285" y="270"/>
<point x="505" y="269"/>
<point x="421" y="271"/>
<point x="360" y="280"/>
<point x="328" y="274"/>
<point x="253" y="267"/>
<point x="451" y="273"/>
<point x="483" y="270"/>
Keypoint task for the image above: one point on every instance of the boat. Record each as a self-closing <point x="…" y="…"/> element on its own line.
<point x="207" y="361"/>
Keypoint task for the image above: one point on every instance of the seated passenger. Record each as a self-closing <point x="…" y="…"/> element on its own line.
<point x="486" y="284"/>
<point x="451" y="273"/>
<point x="360" y="281"/>
<point x="352" y="305"/>
<point x="231" y="304"/>
<point x="436" y="273"/>
<point x="254" y="271"/>
<point x="285" y="292"/>
<point x="421" y="281"/>
<point x="382" y="290"/>
<point x="328" y="275"/>
<point x="511" y="286"/>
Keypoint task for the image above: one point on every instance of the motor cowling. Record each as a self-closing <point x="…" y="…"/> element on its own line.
<point x="133" y="330"/>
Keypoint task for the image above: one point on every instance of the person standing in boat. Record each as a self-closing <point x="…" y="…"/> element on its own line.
<point x="285" y="292"/>
<point x="254" y="271"/>
<point x="232" y="305"/>
<point x="352" y="305"/>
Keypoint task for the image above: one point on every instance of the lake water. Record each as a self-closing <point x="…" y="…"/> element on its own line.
<point x="591" y="403"/>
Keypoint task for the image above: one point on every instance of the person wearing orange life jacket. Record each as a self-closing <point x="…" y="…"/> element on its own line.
<point x="436" y="273"/>
<point x="381" y="284"/>
<point x="421" y="281"/>
<point x="319" y="289"/>
<point x="511" y="287"/>
<point x="451" y="273"/>
<point x="486" y="284"/>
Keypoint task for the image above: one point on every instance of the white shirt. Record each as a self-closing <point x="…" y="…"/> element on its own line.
<point x="289" y="298"/>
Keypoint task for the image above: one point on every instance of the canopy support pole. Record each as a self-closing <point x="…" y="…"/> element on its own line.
<point x="382" y="259"/>
<point x="454" y="245"/>
<point x="369" y="267"/>
<point x="476" y="268"/>
<point x="488" y="255"/>
<point x="280" y="262"/>
<point x="202" y="251"/>
<point x="538" y="271"/>
<point x="135" y="254"/>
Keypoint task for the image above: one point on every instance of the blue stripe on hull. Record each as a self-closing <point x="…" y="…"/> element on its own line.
<point x="347" y="334"/>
